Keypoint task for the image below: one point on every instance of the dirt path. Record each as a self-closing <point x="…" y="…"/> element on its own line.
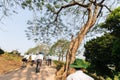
<point x="28" y="73"/>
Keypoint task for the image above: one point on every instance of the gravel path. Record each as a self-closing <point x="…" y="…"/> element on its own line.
<point x="28" y="73"/>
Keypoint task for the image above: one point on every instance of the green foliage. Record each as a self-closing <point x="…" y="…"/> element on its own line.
<point x="59" y="48"/>
<point x="99" y="53"/>
<point x="58" y="64"/>
<point x="56" y="18"/>
<point x="116" y="54"/>
<point x="32" y="3"/>
<point x="39" y="48"/>
<point x="103" y="54"/>
<point x="112" y="22"/>
<point x="117" y="76"/>
<point x="105" y="50"/>
<point x="1" y="51"/>
<point x="108" y="78"/>
<point x="116" y="47"/>
<point x="52" y="17"/>
<point x="50" y="7"/>
<point x="14" y="57"/>
<point x="15" y="52"/>
<point x="51" y="25"/>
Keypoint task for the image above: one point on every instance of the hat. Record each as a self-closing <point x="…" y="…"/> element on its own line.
<point x="79" y="63"/>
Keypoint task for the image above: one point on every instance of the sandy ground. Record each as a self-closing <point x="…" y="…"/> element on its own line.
<point x="28" y="73"/>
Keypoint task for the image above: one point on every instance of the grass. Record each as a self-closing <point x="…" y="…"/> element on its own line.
<point x="58" y="64"/>
<point x="9" y="62"/>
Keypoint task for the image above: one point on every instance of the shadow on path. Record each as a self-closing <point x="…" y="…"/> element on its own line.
<point x="28" y="73"/>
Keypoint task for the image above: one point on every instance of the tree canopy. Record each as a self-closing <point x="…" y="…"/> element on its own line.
<point x="103" y="52"/>
<point x="112" y="22"/>
<point x="60" y="18"/>
<point x="60" y="48"/>
<point x="99" y="53"/>
<point x="39" y="48"/>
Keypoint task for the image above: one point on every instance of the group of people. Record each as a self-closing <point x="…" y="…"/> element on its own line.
<point x="79" y="66"/>
<point x="35" y="59"/>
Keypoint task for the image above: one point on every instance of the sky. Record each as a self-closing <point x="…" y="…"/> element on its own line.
<point x="12" y="32"/>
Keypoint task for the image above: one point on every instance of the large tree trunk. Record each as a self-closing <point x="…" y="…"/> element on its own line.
<point x="74" y="45"/>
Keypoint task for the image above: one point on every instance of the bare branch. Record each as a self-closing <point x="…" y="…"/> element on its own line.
<point x="83" y="1"/>
<point x="94" y="2"/>
<point x="101" y="2"/>
<point x="84" y="16"/>
<point x="69" y="5"/>
<point x="100" y="11"/>
<point x="107" y="8"/>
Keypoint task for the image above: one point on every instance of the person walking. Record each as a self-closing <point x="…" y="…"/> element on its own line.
<point x="33" y="56"/>
<point x="39" y="58"/>
<point x="48" y="60"/>
<point x="79" y="65"/>
<point x="25" y="60"/>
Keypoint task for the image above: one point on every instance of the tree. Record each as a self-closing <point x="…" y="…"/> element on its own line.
<point x="60" y="49"/>
<point x="8" y="7"/>
<point x="87" y="10"/>
<point x="15" y="52"/>
<point x="104" y="51"/>
<point x="116" y="54"/>
<point x="51" y="21"/>
<point x="39" y="48"/>
<point x="1" y="51"/>
<point x="99" y="53"/>
<point x="112" y="22"/>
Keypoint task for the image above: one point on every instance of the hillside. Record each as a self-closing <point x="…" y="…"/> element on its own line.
<point x="9" y="62"/>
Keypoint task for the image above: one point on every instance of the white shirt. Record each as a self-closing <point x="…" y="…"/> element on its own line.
<point x="26" y="56"/>
<point x="79" y="75"/>
<point x="39" y="56"/>
<point x="33" y="57"/>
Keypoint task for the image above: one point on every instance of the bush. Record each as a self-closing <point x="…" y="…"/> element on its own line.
<point x="1" y="51"/>
<point x="58" y="64"/>
<point x="11" y="57"/>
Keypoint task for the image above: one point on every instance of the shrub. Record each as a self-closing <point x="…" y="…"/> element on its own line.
<point x="1" y="51"/>
<point x="58" y="64"/>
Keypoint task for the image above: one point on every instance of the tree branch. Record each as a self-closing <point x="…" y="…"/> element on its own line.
<point x="101" y="2"/>
<point x="107" y="8"/>
<point x="94" y="2"/>
<point x="69" y="5"/>
<point x="100" y="11"/>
